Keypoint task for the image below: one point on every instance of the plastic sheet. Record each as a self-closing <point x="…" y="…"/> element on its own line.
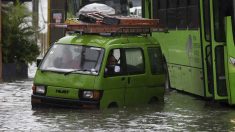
<point x="96" y="7"/>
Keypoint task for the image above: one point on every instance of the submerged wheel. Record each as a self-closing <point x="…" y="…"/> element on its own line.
<point x="153" y="100"/>
<point x="112" y="105"/>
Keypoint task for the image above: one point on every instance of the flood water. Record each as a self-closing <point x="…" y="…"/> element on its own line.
<point x="179" y="112"/>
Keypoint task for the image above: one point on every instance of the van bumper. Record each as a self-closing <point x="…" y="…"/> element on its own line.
<point x="44" y="101"/>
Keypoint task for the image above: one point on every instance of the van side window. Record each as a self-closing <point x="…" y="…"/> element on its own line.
<point x="156" y="60"/>
<point x="113" y="65"/>
<point x="134" y="61"/>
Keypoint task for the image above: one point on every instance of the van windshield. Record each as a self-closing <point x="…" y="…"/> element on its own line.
<point x="69" y="58"/>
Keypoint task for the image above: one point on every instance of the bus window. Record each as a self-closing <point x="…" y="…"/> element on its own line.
<point x="172" y="18"/>
<point x="182" y="14"/>
<point x="162" y="4"/>
<point x="155" y="4"/>
<point x="172" y="14"/>
<point x="156" y="60"/>
<point x="183" y="3"/>
<point x="193" y="14"/>
<point x="159" y="11"/>
<point x="193" y="2"/>
<point x="221" y="9"/>
<point x="162" y="17"/>
<point x="172" y="3"/>
<point x="206" y="8"/>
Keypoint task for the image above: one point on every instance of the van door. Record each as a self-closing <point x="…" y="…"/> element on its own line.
<point x="114" y="81"/>
<point x="136" y="78"/>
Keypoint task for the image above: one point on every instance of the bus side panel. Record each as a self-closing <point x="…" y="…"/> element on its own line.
<point x="182" y="51"/>
<point x="197" y="82"/>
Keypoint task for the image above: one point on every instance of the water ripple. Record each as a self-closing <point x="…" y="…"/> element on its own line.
<point x="178" y="113"/>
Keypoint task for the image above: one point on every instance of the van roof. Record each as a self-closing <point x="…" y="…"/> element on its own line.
<point x="105" y="41"/>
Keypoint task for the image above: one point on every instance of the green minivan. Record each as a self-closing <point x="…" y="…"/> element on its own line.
<point x="100" y="71"/>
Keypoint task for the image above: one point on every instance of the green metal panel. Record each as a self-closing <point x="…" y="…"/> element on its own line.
<point x="216" y="57"/>
<point x="75" y="81"/>
<point x="129" y="90"/>
<point x="230" y="68"/>
<point x="206" y="47"/>
<point x="182" y="50"/>
<point x="114" y="88"/>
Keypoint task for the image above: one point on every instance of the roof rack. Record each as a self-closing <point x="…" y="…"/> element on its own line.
<point x="100" y="23"/>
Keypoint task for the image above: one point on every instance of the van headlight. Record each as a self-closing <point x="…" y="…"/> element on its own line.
<point x="90" y="94"/>
<point x="87" y="94"/>
<point x="39" y="89"/>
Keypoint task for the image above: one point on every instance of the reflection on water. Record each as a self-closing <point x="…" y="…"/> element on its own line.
<point x="179" y="112"/>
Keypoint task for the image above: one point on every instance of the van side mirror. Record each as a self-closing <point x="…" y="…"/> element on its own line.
<point x="38" y="61"/>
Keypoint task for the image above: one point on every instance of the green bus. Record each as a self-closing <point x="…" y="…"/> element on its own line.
<point x="197" y="40"/>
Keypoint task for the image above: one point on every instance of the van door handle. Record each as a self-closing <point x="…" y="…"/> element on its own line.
<point x="129" y="80"/>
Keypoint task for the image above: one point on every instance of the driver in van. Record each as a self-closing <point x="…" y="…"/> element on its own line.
<point x="67" y="61"/>
<point x="112" y="66"/>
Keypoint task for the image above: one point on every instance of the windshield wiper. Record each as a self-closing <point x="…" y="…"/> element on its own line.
<point x="84" y="70"/>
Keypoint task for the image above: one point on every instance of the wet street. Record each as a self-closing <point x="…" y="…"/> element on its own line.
<point x="179" y="112"/>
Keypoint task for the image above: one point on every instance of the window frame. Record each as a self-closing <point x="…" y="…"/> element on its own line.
<point x="49" y="50"/>
<point x="207" y="25"/>
<point x="192" y="6"/>
<point x="157" y="72"/>
<point x="122" y="64"/>
<point x="218" y="36"/>
<point x="143" y="56"/>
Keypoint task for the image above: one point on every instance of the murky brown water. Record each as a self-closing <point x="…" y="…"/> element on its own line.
<point x="179" y="112"/>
